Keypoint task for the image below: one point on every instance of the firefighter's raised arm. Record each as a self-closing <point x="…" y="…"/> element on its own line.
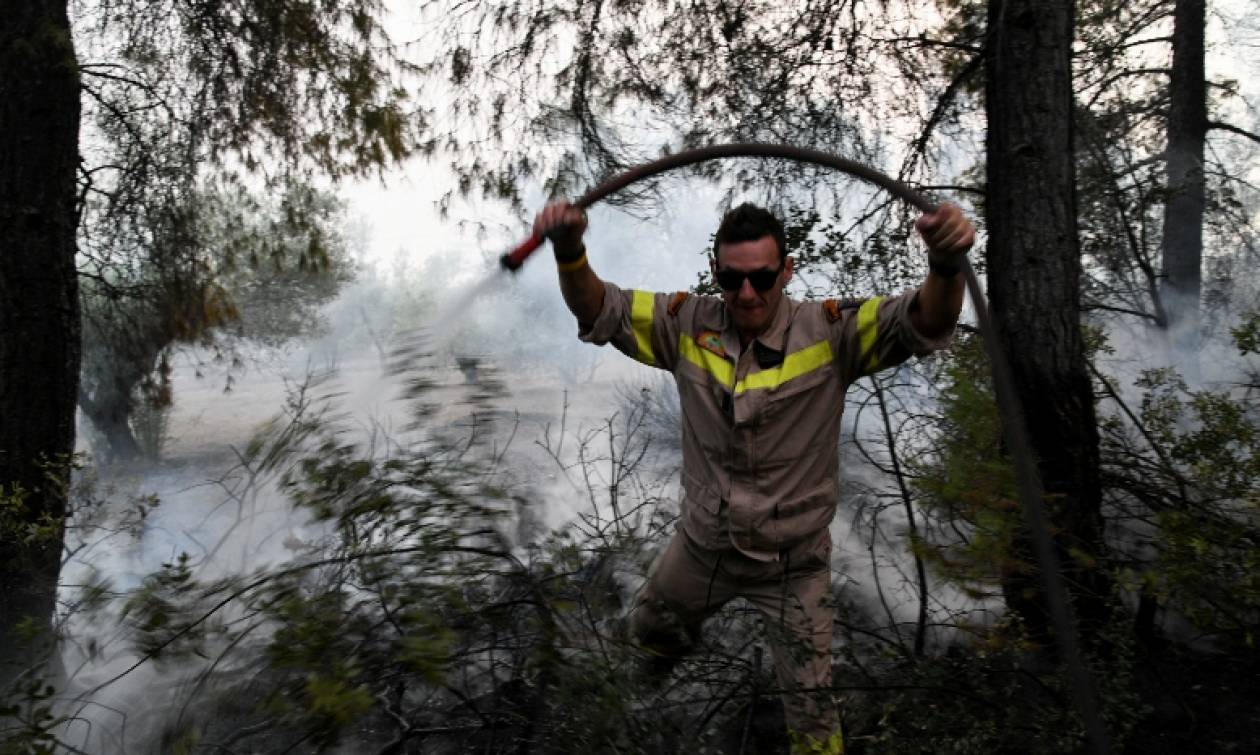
<point x="563" y="224"/>
<point x="949" y="235"/>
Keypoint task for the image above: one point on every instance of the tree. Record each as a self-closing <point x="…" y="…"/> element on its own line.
<point x="39" y="306"/>
<point x="601" y="86"/>
<point x="232" y="268"/>
<point x="1034" y="266"/>
<point x="1154" y="192"/>
<point x="1187" y="121"/>
<point x="175" y="91"/>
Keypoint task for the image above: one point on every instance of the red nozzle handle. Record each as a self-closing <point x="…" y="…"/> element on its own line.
<point x="515" y="258"/>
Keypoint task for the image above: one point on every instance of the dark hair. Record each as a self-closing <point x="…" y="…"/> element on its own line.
<point x="748" y="222"/>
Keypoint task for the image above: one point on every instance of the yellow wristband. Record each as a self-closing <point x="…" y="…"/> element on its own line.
<point x="568" y="267"/>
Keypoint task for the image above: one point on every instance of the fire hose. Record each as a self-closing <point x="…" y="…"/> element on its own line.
<point x="1014" y="429"/>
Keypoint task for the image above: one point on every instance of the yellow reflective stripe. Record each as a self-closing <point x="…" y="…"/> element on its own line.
<point x="807" y="744"/>
<point x="641" y="323"/>
<point x="796" y="364"/>
<point x="868" y="332"/>
<point x="706" y="360"/>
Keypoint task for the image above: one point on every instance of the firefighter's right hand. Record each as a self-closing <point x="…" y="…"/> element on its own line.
<point x="564" y="225"/>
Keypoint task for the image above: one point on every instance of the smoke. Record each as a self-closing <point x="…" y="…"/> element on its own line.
<point x="494" y="382"/>
<point x="552" y="417"/>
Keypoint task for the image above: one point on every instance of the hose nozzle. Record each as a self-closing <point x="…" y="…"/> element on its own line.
<point x="513" y="260"/>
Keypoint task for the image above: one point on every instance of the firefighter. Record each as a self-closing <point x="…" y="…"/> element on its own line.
<point x="761" y="380"/>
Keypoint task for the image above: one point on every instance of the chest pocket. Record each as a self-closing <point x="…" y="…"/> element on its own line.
<point x="784" y="389"/>
<point x="799" y="371"/>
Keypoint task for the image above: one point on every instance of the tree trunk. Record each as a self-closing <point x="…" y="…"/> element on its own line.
<point x="111" y="373"/>
<point x="1034" y="277"/>
<point x="39" y="308"/>
<point x="1183" y="214"/>
<point x="110" y="414"/>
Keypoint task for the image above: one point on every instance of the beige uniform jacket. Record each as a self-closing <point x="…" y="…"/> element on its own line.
<point x="760" y="429"/>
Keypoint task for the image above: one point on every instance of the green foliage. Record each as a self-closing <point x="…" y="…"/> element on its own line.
<point x="270" y="86"/>
<point x="409" y="617"/>
<point x="605" y="75"/>
<point x="28" y="723"/>
<point x="968" y="484"/>
<point x="23" y="528"/>
<point x="333" y="703"/>
<point x="1180" y="470"/>
<point x="373" y="610"/>
<point x="1246" y="335"/>
<point x="30" y="548"/>
<point x="222" y="267"/>
<point x="1190" y="461"/>
<point x="163" y="615"/>
<point x="987" y="698"/>
<point x="29" y="717"/>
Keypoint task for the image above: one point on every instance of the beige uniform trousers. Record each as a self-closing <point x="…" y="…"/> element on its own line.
<point x="793" y="595"/>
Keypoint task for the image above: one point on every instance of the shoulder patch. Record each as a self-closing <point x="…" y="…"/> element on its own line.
<point x="676" y="303"/>
<point x="711" y="340"/>
<point x="835" y="307"/>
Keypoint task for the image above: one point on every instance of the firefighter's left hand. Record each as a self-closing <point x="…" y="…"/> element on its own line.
<point x="947" y="232"/>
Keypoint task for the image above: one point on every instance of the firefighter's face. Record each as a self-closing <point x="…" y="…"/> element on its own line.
<point x="743" y="268"/>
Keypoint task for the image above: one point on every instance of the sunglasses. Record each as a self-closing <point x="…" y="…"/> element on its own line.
<point x="762" y="280"/>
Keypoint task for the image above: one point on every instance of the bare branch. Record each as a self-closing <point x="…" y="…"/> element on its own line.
<point x="1221" y="126"/>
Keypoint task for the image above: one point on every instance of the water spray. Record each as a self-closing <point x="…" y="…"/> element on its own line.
<point x="1013" y="426"/>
